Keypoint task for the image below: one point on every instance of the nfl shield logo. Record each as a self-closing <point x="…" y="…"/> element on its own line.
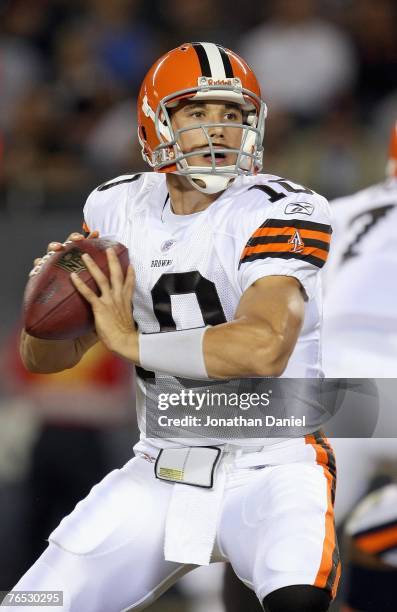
<point x="167" y="245"/>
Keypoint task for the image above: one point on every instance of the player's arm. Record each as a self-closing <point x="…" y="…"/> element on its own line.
<point x="263" y="334"/>
<point x="50" y="356"/>
<point x="257" y="343"/>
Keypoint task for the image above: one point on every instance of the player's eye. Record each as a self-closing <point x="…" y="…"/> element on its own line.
<point x="232" y="116"/>
<point x="197" y="114"/>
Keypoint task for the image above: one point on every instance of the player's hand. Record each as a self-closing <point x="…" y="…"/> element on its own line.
<point x="53" y="247"/>
<point x="112" y="310"/>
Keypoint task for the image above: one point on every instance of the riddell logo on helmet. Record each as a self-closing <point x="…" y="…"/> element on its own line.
<point x="219" y="81"/>
<point x="210" y="82"/>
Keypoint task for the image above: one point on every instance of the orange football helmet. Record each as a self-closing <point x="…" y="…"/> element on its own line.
<point x="392" y="161"/>
<point x="200" y="71"/>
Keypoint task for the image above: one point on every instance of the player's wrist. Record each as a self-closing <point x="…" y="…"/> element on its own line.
<point x="125" y="344"/>
<point x="178" y="353"/>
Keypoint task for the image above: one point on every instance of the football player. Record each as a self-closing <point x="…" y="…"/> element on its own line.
<point x="359" y="315"/>
<point x="360" y="340"/>
<point x="225" y="285"/>
<point x="360" y="324"/>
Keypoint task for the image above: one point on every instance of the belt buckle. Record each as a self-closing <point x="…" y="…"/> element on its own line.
<point x="193" y="465"/>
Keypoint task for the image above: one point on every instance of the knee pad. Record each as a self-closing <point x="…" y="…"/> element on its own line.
<point x="297" y="598"/>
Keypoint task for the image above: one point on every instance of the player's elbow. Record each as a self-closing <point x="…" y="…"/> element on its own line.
<point x="270" y="357"/>
<point x="265" y="367"/>
<point x="34" y="366"/>
<point x="45" y="357"/>
<point x="43" y="369"/>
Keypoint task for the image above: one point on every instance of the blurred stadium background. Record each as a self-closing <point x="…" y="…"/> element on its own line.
<point x="69" y="75"/>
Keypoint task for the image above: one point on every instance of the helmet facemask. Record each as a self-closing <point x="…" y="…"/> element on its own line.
<point x="212" y="178"/>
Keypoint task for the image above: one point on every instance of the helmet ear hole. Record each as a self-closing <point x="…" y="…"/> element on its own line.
<point x="162" y="118"/>
<point x="250" y="118"/>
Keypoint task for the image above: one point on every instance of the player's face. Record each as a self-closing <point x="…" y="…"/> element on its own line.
<point x="194" y="114"/>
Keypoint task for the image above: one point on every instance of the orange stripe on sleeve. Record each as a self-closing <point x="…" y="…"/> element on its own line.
<point x="284" y="247"/>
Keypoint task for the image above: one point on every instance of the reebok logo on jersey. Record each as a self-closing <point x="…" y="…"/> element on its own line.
<point x="299" y="208"/>
<point x="297" y="243"/>
<point x="160" y="263"/>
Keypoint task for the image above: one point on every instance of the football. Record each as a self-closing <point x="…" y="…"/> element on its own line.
<point x="52" y="308"/>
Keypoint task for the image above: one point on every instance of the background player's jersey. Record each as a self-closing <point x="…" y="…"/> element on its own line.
<point x="191" y="270"/>
<point x="360" y="323"/>
<point x="360" y="286"/>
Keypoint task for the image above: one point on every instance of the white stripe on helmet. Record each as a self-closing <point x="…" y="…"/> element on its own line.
<point x="215" y="60"/>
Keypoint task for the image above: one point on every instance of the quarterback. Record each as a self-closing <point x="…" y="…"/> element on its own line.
<point x="224" y="284"/>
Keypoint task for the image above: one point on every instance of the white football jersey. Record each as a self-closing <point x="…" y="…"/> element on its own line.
<point x="191" y="270"/>
<point x="363" y="262"/>
<point x="361" y="292"/>
<point x="360" y="323"/>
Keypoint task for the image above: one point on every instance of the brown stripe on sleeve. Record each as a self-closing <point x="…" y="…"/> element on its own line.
<point x="292" y="239"/>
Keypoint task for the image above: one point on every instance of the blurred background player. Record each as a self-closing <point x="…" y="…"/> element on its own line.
<point x="360" y="322"/>
<point x="371" y="553"/>
<point x="360" y="340"/>
<point x="359" y="314"/>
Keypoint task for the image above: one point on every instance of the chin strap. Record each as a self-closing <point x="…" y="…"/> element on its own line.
<point x="209" y="183"/>
<point x="205" y="182"/>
